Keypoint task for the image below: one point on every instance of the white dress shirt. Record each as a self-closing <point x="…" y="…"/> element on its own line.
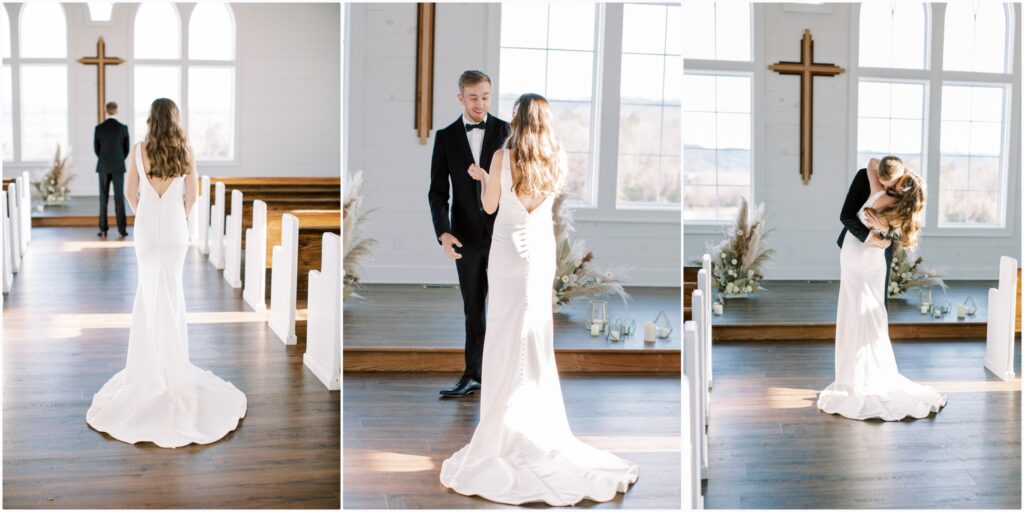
<point x="475" y="137"/>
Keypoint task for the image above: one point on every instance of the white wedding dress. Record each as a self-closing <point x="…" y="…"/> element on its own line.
<point x="523" y="450"/>
<point x="868" y="384"/>
<point x="160" y="396"/>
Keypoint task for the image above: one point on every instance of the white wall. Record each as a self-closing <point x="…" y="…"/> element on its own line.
<point x="806" y="217"/>
<point x="288" y="78"/>
<point x="382" y="142"/>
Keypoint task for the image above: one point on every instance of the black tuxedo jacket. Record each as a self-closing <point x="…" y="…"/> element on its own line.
<point x="110" y="142"/>
<point x="465" y="218"/>
<point x="860" y="191"/>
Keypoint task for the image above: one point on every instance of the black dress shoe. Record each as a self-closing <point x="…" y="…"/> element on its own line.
<point x="102" y="234"/>
<point x="467" y="386"/>
<point x="458" y="384"/>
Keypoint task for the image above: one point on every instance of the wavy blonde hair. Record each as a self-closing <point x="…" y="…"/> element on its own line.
<point x="537" y="169"/>
<point x="905" y="214"/>
<point x="166" y="145"/>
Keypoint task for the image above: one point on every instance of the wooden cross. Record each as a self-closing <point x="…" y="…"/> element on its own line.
<point x="425" y="17"/>
<point x="101" y="61"/>
<point x="807" y="69"/>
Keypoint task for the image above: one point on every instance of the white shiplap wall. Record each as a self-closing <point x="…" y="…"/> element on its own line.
<point x="382" y="142"/>
<point x="288" y="76"/>
<point x="806" y="218"/>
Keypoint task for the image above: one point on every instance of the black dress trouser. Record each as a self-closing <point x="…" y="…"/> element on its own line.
<point x="117" y="180"/>
<point x="472" y="269"/>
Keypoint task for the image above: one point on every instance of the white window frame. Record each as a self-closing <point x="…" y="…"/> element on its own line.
<point x="935" y="77"/>
<point x="16" y="61"/>
<point x="604" y="119"/>
<point x="184" y="63"/>
<point x="753" y="69"/>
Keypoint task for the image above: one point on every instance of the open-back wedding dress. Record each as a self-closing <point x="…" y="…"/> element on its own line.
<point x="160" y="396"/>
<point x="868" y="384"/>
<point x="523" y="450"/>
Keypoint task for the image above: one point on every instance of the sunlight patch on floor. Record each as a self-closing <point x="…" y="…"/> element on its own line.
<point x="69" y="325"/>
<point x="974" y="386"/>
<point x="790" y="398"/>
<point x="79" y="246"/>
<point x="388" y="462"/>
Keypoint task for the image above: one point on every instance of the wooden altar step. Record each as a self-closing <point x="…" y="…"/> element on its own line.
<point x="416" y="328"/>
<point x="78" y="211"/>
<point x="806" y="311"/>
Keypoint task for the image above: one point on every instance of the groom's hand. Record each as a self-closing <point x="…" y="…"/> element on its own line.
<point x="879" y="241"/>
<point x="447" y="242"/>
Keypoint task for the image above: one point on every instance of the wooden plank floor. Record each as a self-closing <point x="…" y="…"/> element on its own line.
<point x="770" y="447"/>
<point x="66" y="332"/>
<point x="432" y="317"/>
<point x="397" y="434"/>
<point x="79" y="211"/>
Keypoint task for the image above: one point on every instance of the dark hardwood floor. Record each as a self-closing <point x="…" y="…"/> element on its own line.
<point x="398" y="432"/>
<point x="66" y="332"/>
<point x="770" y="447"/>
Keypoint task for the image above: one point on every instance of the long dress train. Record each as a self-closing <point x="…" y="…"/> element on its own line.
<point x="160" y="396"/>
<point x="523" y="450"/>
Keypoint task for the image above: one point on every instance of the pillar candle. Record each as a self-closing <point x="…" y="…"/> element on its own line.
<point x="649" y="332"/>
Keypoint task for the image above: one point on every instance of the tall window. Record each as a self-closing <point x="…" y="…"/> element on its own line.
<point x="549" y="49"/>
<point x="43" y="88"/>
<point x="970" y="86"/>
<point x="649" y="115"/>
<point x="891" y="107"/>
<point x="717" y="129"/>
<point x="200" y="79"/>
<point x="6" y="89"/>
<point x="972" y="166"/>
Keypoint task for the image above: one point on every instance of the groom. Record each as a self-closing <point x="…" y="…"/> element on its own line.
<point x="110" y="141"/>
<point x="464" y="229"/>
<point x="889" y="169"/>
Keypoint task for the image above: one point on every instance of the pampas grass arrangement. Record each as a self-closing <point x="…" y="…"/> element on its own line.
<point x="53" y="186"/>
<point x="907" y="273"/>
<point x="357" y="246"/>
<point x="738" y="261"/>
<point x="576" y="277"/>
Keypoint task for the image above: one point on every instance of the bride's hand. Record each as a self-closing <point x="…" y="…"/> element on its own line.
<point x="877" y="240"/>
<point x="875" y="222"/>
<point x="477" y="173"/>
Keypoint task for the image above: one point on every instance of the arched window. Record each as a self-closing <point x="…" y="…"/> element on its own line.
<point x="892" y="35"/>
<point x="200" y="79"/>
<point x="6" y="91"/>
<point x="43" y="31"/>
<point x="717" y="169"/>
<point x="975" y="37"/>
<point x="211" y="85"/>
<point x="43" y="87"/>
<point x="157" y="31"/>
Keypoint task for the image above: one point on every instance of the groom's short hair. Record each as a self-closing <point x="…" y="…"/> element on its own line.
<point x="111" y="108"/>
<point x="472" y="77"/>
<point x="890" y="166"/>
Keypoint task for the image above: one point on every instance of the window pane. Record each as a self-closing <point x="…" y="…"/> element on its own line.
<point x="570" y="76"/>
<point x="643" y="28"/>
<point x="5" y="34"/>
<point x="570" y="26"/>
<point x="716" y="133"/>
<point x="43" y="32"/>
<point x="157" y="31"/>
<point x="971" y="160"/>
<point x="716" y="30"/>
<point x="7" y="114"/>
<point x="892" y="35"/>
<point x="152" y="82"/>
<point x="975" y="37"/>
<point x="524" y="25"/>
<point x="210" y="118"/>
<point x="890" y="121"/>
<point x="211" y="34"/>
<point x="44" y="110"/>
<point x="642" y="78"/>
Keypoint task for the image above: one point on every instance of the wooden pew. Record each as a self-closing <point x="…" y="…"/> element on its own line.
<point x="7" y="275"/>
<point x="323" y="317"/>
<point x="689" y="285"/>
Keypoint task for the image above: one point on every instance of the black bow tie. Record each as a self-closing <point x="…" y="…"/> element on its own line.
<point x="481" y="125"/>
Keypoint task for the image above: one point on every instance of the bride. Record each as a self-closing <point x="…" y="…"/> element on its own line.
<point x="868" y="384"/>
<point x="523" y="450"/>
<point x="160" y="396"/>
